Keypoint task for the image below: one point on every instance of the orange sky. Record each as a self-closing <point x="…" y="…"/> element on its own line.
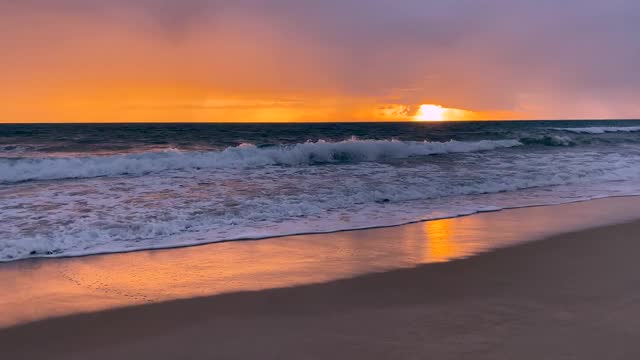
<point x="198" y="60"/>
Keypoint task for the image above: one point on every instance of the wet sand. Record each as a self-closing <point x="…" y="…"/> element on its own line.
<point x="570" y="296"/>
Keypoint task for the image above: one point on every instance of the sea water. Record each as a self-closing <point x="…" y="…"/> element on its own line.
<point x="78" y="189"/>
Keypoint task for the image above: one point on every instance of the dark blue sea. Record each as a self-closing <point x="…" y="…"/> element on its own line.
<point x="78" y="189"/>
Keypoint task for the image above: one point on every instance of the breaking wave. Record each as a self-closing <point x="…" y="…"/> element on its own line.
<point x="242" y="156"/>
<point x="600" y="129"/>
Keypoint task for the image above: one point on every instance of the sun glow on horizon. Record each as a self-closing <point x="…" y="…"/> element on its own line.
<point x="431" y="112"/>
<point x="434" y="112"/>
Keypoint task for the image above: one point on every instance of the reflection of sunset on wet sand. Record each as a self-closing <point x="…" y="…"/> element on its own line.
<point x="441" y="241"/>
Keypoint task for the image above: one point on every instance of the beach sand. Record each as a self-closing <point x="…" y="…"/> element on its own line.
<point x="570" y="296"/>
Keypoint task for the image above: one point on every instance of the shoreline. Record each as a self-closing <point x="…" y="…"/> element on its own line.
<point x="572" y="295"/>
<point x="295" y="234"/>
<point x="38" y="289"/>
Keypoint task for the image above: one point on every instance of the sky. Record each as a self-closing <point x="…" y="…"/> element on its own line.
<point x="320" y="60"/>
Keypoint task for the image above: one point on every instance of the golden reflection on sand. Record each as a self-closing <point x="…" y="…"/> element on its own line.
<point x="441" y="244"/>
<point x="38" y="289"/>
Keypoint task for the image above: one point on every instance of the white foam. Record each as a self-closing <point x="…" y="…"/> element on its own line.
<point x="600" y="129"/>
<point x="243" y="156"/>
<point x="113" y="214"/>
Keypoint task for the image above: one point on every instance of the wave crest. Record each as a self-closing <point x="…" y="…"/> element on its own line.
<point x="244" y="155"/>
<point x="548" y="140"/>
<point x="600" y="129"/>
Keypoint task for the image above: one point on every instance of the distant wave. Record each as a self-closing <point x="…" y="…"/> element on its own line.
<point x="245" y="155"/>
<point x="548" y="140"/>
<point x="600" y="129"/>
<point x="15" y="148"/>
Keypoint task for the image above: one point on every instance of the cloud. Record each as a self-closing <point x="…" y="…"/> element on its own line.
<point x="549" y="58"/>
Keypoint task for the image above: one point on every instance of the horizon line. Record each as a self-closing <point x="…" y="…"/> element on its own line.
<point x="301" y="122"/>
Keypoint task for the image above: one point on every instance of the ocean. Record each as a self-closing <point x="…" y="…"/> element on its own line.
<point x="79" y="189"/>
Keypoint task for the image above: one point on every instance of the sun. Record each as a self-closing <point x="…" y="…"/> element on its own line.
<point x="430" y="112"/>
